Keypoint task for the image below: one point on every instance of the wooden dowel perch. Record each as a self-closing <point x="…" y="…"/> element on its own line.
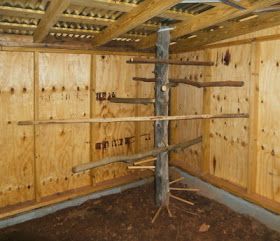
<point x="135" y="157"/>
<point x="143" y="101"/>
<point x="145" y="161"/>
<point x="141" y="167"/>
<point x="183" y="189"/>
<point x="169" y="61"/>
<point x="134" y="119"/>
<point x="175" y="82"/>
<point x="176" y="180"/>
<point x="181" y="200"/>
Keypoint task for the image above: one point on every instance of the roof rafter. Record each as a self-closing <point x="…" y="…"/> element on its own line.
<point x="65" y="17"/>
<point x="143" y="12"/>
<point x="127" y="7"/>
<point x="231" y="30"/>
<point x="51" y="16"/>
<point x="209" y="18"/>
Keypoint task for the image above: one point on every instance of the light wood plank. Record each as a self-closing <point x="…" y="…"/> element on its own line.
<point x="127" y="7"/>
<point x="143" y="12"/>
<point x="229" y="31"/>
<point x="51" y="16"/>
<point x="209" y="18"/>
<point x="254" y="117"/>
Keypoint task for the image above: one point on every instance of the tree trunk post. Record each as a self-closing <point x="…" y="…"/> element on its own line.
<point x="161" y="127"/>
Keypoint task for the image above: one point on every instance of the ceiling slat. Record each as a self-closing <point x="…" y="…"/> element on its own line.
<point x="230" y="30"/>
<point x="207" y="19"/>
<point x="51" y="16"/>
<point x="143" y="12"/>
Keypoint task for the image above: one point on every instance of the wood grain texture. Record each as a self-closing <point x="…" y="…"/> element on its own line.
<point x="55" y="8"/>
<point x="209" y="18"/>
<point x="162" y="127"/>
<point x="268" y="163"/>
<point x="16" y="143"/>
<point x="189" y="159"/>
<point x="112" y="74"/>
<point x="63" y="93"/>
<point x="230" y="136"/>
<point x="229" y="30"/>
<point x="132" y="19"/>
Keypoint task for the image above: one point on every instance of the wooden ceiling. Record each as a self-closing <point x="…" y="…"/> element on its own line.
<point x="132" y="24"/>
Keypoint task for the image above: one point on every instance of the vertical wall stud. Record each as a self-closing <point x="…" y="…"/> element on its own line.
<point x="37" y="184"/>
<point x="254" y="117"/>
<point x="206" y="124"/>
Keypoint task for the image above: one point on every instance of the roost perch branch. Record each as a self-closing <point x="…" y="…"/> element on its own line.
<point x="143" y="101"/>
<point x="175" y="82"/>
<point x="169" y="61"/>
<point x="135" y="157"/>
<point x="134" y="119"/>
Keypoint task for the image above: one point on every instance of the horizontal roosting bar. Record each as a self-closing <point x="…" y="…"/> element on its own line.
<point x="169" y="61"/>
<point x="131" y="158"/>
<point x="143" y="101"/>
<point x="228" y="83"/>
<point x="134" y="119"/>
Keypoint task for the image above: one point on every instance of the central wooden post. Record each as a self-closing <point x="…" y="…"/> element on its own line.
<point x="161" y="108"/>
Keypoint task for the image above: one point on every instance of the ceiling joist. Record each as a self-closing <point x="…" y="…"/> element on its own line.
<point x="132" y="24"/>
<point x="51" y="16"/>
<point x="230" y="30"/>
<point x="128" y="7"/>
<point x="207" y="19"/>
<point x="142" y="13"/>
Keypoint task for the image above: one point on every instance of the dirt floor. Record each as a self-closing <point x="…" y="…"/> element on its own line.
<point x="127" y="217"/>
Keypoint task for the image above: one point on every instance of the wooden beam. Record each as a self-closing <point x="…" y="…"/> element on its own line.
<point x="207" y="19"/>
<point x="127" y="7"/>
<point x="143" y="12"/>
<point x="230" y="30"/>
<point x="227" y="83"/>
<point x="51" y="16"/>
<point x="254" y="101"/>
<point x="206" y="124"/>
<point x="143" y="101"/>
<point x="169" y="61"/>
<point x="135" y="157"/>
<point x="134" y="119"/>
<point x="161" y="127"/>
<point x="65" y="17"/>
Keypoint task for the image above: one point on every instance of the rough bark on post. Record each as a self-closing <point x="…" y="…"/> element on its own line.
<point x="161" y="127"/>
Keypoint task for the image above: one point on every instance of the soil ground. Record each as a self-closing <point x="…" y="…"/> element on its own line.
<point x="127" y="217"/>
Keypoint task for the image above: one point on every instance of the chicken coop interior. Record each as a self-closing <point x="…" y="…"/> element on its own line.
<point x="100" y="96"/>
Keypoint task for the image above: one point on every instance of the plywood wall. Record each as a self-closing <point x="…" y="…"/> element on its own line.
<point x="187" y="100"/>
<point x="239" y="155"/>
<point x="112" y="76"/>
<point x="16" y="143"/>
<point x="268" y="147"/>
<point x="36" y="162"/>
<point x="63" y="93"/>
